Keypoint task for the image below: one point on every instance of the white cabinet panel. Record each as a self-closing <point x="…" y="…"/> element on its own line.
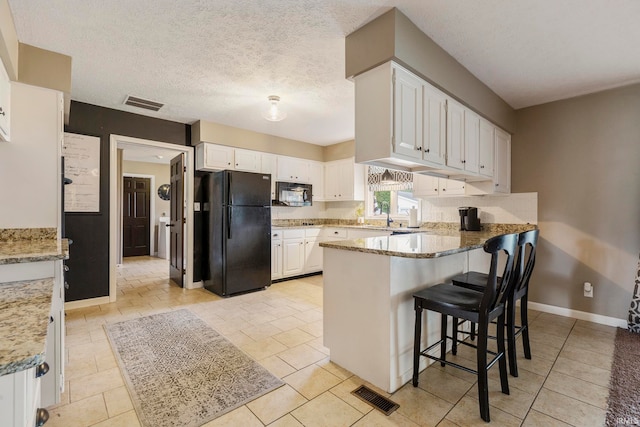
<point x="434" y="125"/>
<point x="425" y="185"/>
<point x="291" y="169"/>
<point x="293" y="257"/>
<point x="212" y="157"/>
<point x="455" y="134"/>
<point x="5" y="105"/>
<point x="471" y="141"/>
<point x="407" y="127"/>
<point x="276" y="259"/>
<point x="247" y="160"/>
<point x="502" y="161"/>
<point x="312" y="255"/>
<point x="486" y="148"/>
<point x="268" y="164"/>
<point x="344" y="180"/>
<point x="317" y="181"/>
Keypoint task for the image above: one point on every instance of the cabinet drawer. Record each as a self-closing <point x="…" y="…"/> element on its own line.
<point x="340" y="233"/>
<point x="312" y="232"/>
<point x="293" y="233"/>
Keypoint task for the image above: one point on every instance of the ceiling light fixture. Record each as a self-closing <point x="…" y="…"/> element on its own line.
<point x="387" y="178"/>
<point x="274" y="113"/>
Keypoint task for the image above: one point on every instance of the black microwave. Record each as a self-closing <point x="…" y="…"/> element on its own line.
<point x="292" y="194"/>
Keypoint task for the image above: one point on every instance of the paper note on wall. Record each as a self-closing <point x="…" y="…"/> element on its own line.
<point x="81" y="165"/>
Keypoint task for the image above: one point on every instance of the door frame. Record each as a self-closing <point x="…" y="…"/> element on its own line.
<point x="152" y="210"/>
<point x="114" y="142"/>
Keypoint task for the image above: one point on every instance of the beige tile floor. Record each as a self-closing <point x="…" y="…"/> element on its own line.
<point x="566" y="382"/>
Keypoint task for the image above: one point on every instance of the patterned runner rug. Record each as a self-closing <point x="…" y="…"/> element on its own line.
<point x="180" y="372"/>
<point x="623" y="408"/>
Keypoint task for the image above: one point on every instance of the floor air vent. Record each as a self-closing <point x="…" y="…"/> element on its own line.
<point x="143" y="103"/>
<point x="376" y="400"/>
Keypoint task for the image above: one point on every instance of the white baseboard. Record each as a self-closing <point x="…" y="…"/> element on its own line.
<point x="86" y="303"/>
<point x="196" y="285"/>
<point x="576" y="314"/>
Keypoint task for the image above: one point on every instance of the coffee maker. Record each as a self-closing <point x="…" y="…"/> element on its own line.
<point x="469" y="220"/>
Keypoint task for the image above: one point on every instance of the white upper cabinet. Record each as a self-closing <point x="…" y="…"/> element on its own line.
<point x="486" y="148"/>
<point x="455" y="135"/>
<point x="502" y="174"/>
<point x="344" y="180"/>
<point x="434" y="125"/>
<point x="463" y="138"/>
<point x="268" y="164"/>
<point x="5" y="104"/>
<point x="471" y="141"/>
<point x="425" y="185"/>
<point x="212" y="157"/>
<point x="407" y="121"/>
<point x="501" y="164"/>
<point x="431" y="186"/>
<point x="291" y="169"/>
<point x="316" y="170"/>
<point x="247" y="160"/>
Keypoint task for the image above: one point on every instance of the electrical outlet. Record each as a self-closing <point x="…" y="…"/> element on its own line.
<point x="588" y="290"/>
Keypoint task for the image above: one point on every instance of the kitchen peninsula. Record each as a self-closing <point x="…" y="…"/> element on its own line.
<point x="368" y="296"/>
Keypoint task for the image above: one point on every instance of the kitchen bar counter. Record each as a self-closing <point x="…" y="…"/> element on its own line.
<point x="368" y="287"/>
<point x="422" y="244"/>
<point x="24" y="317"/>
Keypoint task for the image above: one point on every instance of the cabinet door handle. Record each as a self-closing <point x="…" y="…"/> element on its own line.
<point x="464" y="161"/>
<point x="42" y="416"/>
<point x="42" y="369"/>
<point x="427" y="150"/>
<point x="419" y="148"/>
<point x="497" y="185"/>
<point x="481" y="166"/>
<point x="275" y="235"/>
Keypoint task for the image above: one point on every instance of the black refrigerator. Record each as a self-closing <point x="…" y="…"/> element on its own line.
<point x="237" y="227"/>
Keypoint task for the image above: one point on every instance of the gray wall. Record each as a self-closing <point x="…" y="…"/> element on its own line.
<point x="582" y="156"/>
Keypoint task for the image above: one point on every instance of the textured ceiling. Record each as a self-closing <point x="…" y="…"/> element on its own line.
<point x="218" y="60"/>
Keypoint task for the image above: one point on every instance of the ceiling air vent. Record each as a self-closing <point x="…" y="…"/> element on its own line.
<point x="142" y="103"/>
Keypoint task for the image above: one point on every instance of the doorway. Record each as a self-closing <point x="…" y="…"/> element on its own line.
<point x="169" y="151"/>
<point x="136" y="216"/>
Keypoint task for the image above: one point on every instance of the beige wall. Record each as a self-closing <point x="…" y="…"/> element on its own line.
<point x="8" y="41"/>
<point x="582" y="156"/>
<point x="162" y="174"/>
<point x="393" y="36"/>
<point x="216" y="133"/>
<point x="40" y="67"/>
<point x="342" y="150"/>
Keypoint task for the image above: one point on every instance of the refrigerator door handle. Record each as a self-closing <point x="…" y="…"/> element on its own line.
<point x="229" y="194"/>
<point x="229" y="222"/>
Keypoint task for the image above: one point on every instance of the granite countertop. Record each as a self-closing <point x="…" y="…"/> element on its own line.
<point x="24" y="317"/>
<point x="431" y="244"/>
<point x="18" y="251"/>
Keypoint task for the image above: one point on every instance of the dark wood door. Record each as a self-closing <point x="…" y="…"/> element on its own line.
<point x="176" y="255"/>
<point x="135" y="216"/>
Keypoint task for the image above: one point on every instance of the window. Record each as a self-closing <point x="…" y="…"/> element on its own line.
<point x="399" y="202"/>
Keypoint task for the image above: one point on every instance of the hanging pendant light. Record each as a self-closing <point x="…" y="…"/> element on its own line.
<point x="387" y="178"/>
<point x="274" y="113"/>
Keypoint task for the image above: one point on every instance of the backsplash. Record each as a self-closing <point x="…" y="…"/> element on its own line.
<point x="516" y="208"/>
<point x="337" y="210"/>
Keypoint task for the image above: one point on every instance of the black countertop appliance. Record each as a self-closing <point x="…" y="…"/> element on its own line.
<point x="469" y="220"/>
<point x="237" y="223"/>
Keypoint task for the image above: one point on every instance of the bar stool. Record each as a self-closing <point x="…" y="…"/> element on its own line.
<point x="523" y="267"/>
<point x="479" y="308"/>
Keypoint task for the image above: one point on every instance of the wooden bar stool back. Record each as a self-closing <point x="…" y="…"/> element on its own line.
<point x="479" y="308"/>
<point x="523" y="267"/>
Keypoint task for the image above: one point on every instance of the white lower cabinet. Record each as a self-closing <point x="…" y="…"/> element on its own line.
<point x="312" y="250"/>
<point x="20" y="399"/>
<point x="276" y="255"/>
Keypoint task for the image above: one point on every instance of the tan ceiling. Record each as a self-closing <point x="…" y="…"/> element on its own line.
<point x="219" y="60"/>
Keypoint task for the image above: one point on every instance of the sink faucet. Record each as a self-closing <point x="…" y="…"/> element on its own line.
<point x="389" y="220"/>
